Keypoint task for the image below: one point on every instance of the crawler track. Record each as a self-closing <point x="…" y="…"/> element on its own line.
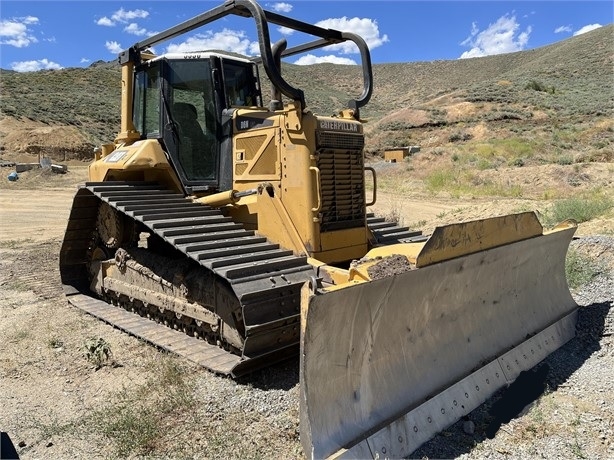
<point x="385" y="232"/>
<point x="265" y="279"/>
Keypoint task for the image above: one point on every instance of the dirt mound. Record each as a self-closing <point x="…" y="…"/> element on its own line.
<point x="58" y="142"/>
<point x="406" y="117"/>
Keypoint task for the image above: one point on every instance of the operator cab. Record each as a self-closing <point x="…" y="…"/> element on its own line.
<point x="179" y="99"/>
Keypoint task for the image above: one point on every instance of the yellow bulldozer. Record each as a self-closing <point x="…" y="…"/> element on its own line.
<point x="238" y="235"/>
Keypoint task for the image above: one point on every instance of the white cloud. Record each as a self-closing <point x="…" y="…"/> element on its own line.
<point x="254" y="49"/>
<point x="84" y="60"/>
<point x="134" y="29"/>
<point x="311" y="59"/>
<point x="282" y="7"/>
<point x="122" y="16"/>
<point x="15" y="31"/>
<point x="365" y="27"/>
<point x="561" y="29"/>
<point x="33" y="66"/>
<point x="500" y="37"/>
<point x="104" y="21"/>
<point x="228" y="40"/>
<point x="587" y="28"/>
<point x="285" y="31"/>
<point x="113" y="47"/>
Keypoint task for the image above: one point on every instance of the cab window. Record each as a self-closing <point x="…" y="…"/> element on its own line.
<point x="240" y="85"/>
<point x="146" y="109"/>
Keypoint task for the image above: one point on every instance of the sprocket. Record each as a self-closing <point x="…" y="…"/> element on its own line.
<point x="114" y="230"/>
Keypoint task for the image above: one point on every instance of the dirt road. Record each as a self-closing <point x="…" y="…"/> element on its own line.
<point x="38" y="216"/>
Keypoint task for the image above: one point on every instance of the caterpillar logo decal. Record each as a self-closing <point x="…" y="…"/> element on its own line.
<point x="337" y="125"/>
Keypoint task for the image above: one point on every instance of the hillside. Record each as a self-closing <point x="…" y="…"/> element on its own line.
<point x="568" y="83"/>
<point x="529" y="131"/>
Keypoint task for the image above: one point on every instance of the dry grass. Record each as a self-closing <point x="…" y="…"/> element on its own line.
<point x="553" y="415"/>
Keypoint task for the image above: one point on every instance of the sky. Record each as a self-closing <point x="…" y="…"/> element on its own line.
<point x="36" y="35"/>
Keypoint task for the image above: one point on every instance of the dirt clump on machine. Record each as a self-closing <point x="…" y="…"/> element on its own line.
<point x="390" y="266"/>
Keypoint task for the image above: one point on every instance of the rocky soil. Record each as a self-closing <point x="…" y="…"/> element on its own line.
<point x="57" y="403"/>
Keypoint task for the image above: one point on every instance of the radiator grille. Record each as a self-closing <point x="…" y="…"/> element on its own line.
<point x="342" y="188"/>
<point x="340" y="140"/>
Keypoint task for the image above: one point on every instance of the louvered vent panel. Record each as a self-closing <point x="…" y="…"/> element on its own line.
<point x="342" y="189"/>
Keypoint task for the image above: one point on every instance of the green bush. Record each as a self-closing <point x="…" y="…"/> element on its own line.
<point x="519" y="162"/>
<point x="565" y="160"/>
<point x="441" y="179"/>
<point x="458" y="136"/>
<point x="538" y="86"/>
<point x="97" y="351"/>
<point x="580" y="209"/>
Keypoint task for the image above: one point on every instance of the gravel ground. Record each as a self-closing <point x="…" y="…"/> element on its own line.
<point x="49" y="395"/>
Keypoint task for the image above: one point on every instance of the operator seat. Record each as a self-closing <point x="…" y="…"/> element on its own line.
<point x="194" y="150"/>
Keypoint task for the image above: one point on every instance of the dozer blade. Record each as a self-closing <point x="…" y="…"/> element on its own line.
<point x="387" y="364"/>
